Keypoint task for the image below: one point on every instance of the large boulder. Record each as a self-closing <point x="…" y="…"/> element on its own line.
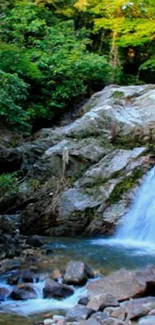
<point x="112" y="164"/>
<point x="82" y="208"/>
<point x="117" y="112"/>
<point x="122" y="284"/>
<point x="90" y="149"/>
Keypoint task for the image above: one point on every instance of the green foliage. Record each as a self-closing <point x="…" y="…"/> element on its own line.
<point x="124" y="186"/>
<point x="34" y="183"/>
<point x="15" y="60"/>
<point x="52" y="57"/>
<point x="147" y="70"/>
<point x="8" y="184"/>
<point x="13" y="93"/>
<point x="118" y="94"/>
<point x="62" y="51"/>
<point x="122" y="24"/>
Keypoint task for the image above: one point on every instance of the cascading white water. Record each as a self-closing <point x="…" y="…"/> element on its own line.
<point x="139" y="223"/>
<point x="38" y="305"/>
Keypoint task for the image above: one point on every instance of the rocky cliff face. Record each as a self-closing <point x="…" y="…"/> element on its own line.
<point x="80" y="178"/>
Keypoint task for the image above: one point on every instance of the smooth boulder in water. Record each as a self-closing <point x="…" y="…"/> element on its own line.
<point x="24" y="292"/>
<point x="55" y="290"/>
<point x="77" y="273"/>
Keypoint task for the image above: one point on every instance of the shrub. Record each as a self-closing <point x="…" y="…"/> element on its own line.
<point x="12" y="96"/>
<point x="8" y="183"/>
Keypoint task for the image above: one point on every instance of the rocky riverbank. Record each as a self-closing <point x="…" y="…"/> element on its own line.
<point x="123" y="297"/>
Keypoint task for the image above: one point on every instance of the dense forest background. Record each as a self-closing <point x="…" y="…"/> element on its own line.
<point x="55" y="53"/>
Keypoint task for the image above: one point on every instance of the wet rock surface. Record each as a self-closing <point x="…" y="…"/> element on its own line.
<point x="4" y="293"/>
<point x="102" y="300"/>
<point x="121" y="284"/>
<point x="99" y="307"/>
<point x="35" y="241"/>
<point x="77" y="273"/>
<point x="23" y="292"/>
<point x="136" y="308"/>
<point x="55" y="290"/>
<point x="79" y="178"/>
<point x="78" y="313"/>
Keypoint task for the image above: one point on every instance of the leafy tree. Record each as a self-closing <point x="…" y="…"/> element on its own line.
<point x="13" y="59"/>
<point x="13" y="93"/>
<point x="127" y="23"/>
<point x="147" y="70"/>
<point x="55" y="53"/>
<point x="53" y="59"/>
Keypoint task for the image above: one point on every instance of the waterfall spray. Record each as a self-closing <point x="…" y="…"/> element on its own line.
<point x="139" y="223"/>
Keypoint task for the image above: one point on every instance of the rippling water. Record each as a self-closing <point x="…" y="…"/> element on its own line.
<point x="132" y="247"/>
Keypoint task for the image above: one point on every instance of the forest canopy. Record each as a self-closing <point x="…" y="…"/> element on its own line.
<point x="55" y="53"/>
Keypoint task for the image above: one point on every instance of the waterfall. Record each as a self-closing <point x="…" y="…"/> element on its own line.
<point x="139" y="223"/>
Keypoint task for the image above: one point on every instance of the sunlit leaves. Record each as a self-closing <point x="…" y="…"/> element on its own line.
<point x="12" y="96"/>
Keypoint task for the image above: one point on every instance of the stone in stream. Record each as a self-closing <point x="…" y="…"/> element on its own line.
<point x="55" y="290"/>
<point x="4" y="293"/>
<point x="90" y="321"/>
<point x="35" y="241"/>
<point x="23" y="292"/>
<point x="13" y="278"/>
<point x="96" y="319"/>
<point x="77" y="273"/>
<point x="136" y="308"/>
<point x="104" y="321"/>
<point x="28" y="276"/>
<point x="114" y="321"/>
<point x="100" y="301"/>
<point x="78" y="313"/>
<point x="83" y="301"/>
<point x="56" y="274"/>
<point x="115" y="312"/>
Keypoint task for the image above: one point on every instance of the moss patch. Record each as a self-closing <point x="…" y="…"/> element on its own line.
<point x="8" y="183"/>
<point x="118" y="94"/>
<point x="124" y="186"/>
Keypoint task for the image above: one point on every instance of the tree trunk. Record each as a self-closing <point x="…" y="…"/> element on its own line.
<point x="114" y="56"/>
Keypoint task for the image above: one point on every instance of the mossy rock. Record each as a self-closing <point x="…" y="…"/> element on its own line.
<point x="126" y="184"/>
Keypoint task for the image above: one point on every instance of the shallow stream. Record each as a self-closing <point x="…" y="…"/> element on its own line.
<point x="103" y="255"/>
